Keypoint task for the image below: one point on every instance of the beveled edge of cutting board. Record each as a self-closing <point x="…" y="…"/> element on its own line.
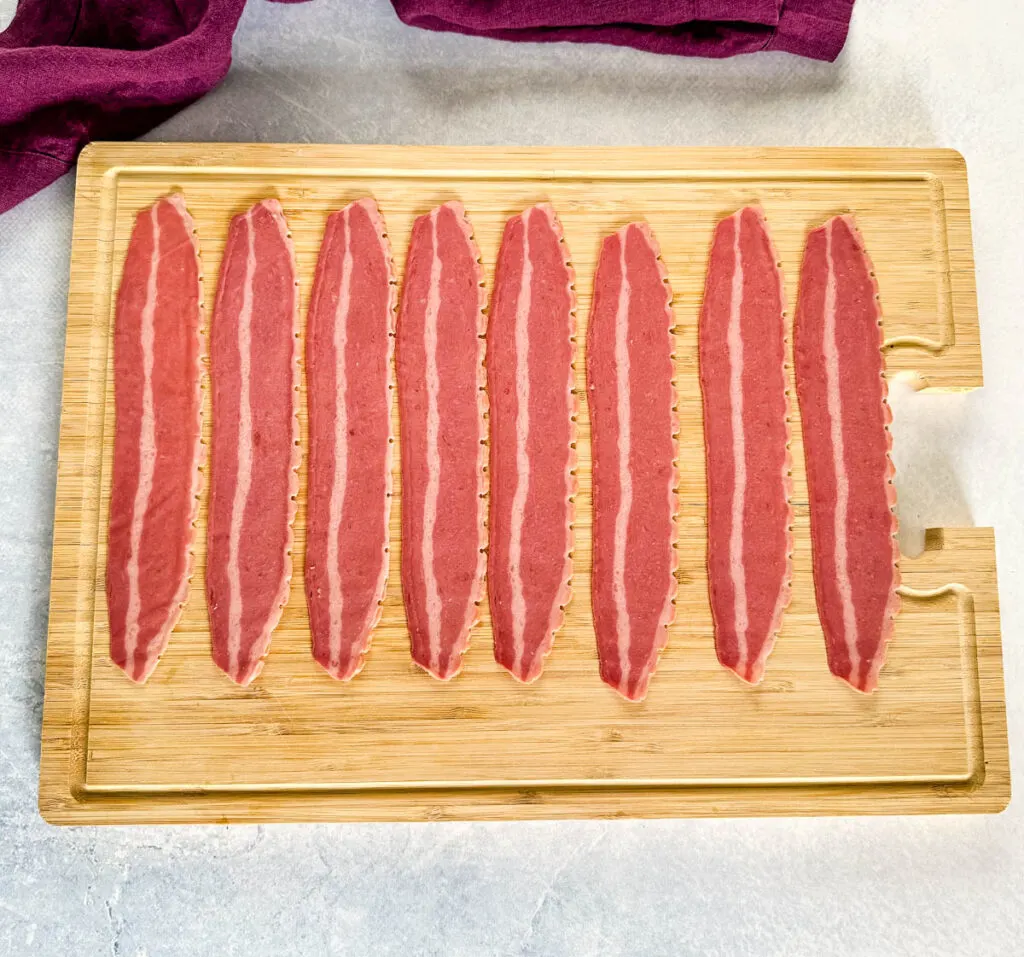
<point x="63" y="798"/>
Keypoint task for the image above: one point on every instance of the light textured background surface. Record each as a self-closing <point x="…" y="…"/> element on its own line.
<point x="914" y="73"/>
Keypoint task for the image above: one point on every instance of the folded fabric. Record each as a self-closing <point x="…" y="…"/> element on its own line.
<point x="78" y="70"/>
<point x="709" y="28"/>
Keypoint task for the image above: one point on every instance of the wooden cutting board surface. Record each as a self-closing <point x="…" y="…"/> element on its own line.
<point x="396" y="744"/>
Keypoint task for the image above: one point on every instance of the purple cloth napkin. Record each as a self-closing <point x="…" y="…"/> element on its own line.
<point x="710" y="28"/>
<point x="72" y="71"/>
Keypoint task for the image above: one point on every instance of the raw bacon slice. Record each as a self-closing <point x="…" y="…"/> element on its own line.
<point x="842" y="393"/>
<point x="632" y="400"/>
<point x="529" y="378"/>
<point x="155" y="484"/>
<point x="442" y="403"/>
<point x="255" y="376"/>
<point x="743" y="382"/>
<point x="348" y="377"/>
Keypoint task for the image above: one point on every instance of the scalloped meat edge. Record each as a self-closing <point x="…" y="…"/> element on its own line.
<point x="295" y="460"/>
<point x="786" y="591"/>
<point x="177" y="200"/>
<point x="564" y="594"/>
<point x="893" y="603"/>
<point x="370" y="207"/>
<point x="669" y="612"/>
<point x="477" y="592"/>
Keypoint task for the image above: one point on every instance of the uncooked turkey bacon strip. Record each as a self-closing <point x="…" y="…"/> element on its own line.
<point x="743" y="382"/>
<point x="845" y="416"/>
<point x="348" y="376"/>
<point x="155" y="484"/>
<point x="632" y="397"/>
<point x="255" y="376"/>
<point x="529" y="378"/>
<point x="442" y="403"/>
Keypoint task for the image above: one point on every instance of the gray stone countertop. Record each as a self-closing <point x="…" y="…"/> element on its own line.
<point x="914" y="73"/>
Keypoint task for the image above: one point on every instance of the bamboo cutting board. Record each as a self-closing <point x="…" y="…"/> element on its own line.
<point x="395" y="743"/>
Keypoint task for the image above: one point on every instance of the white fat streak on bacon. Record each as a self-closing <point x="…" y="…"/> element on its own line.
<point x="340" y="477"/>
<point x="522" y="366"/>
<point x="893" y="605"/>
<point x="471" y="615"/>
<point x="199" y="448"/>
<point x="669" y="608"/>
<point x="557" y="618"/>
<point x="156" y="646"/>
<point x="243" y="479"/>
<point x="753" y="670"/>
<point x="433" y="383"/>
<point x="262" y="641"/>
<point x="370" y="207"/>
<point x="623" y="412"/>
<point x="734" y="339"/>
<point x="621" y="352"/>
<point x="756" y="667"/>
<point x="147" y="450"/>
<point x="295" y="459"/>
<point x="835" y="414"/>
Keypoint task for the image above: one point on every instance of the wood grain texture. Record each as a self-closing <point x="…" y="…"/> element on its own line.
<point x="394" y="743"/>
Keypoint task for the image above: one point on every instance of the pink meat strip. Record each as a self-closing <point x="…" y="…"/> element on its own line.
<point x="255" y="375"/>
<point x="156" y="480"/>
<point x="632" y="397"/>
<point x="442" y="403"/>
<point x="845" y="415"/>
<point x="349" y="337"/>
<point x="743" y="381"/>
<point x="529" y="379"/>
